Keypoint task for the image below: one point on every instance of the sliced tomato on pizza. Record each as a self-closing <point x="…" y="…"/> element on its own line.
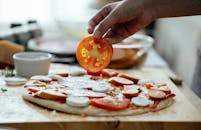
<point x="110" y="103"/>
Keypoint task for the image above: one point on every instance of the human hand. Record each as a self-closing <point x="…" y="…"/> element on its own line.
<point x="118" y="20"/>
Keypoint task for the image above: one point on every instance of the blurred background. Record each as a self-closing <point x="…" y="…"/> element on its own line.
<point x="56" y="26"/>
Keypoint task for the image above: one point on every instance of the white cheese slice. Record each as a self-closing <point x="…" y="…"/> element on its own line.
<point x="101" y="87"/>
<point x="15" y="81"/>
<point x="82" y="93"/>
<point x="141" y="101"/>
<point x="130" y="90"/>
<point x="144" y="81"/>
<point x="55" y="77"/>
<point x="120" y="81"/>
<point x="77" y="72"/>
<point x="77" y="101"/>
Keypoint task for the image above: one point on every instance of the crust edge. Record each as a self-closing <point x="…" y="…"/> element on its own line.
<point x="92" y="111"/>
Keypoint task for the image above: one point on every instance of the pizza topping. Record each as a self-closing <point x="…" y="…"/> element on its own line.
<point x="109" y="90"/>
<point x="159" y="84"/>
<point x="108" y="73"/>
<point x="56" y="77"/>
<point x="141" y="101"/>
<point x="144" y="81"/>
<point x="51" y="94"/>
<point x="77" y="72"/>
<point x="133" y="86"/>
<point x="36" y="82"/>
<point x="35" y="89"/>
<point x="15" y="80"/>
<point x="149" y="85"/>
<point x="120" y="96"/>
<point x="129" y="77"/>
<point x="31" y="84"/>
<point x="156" y="94"/>
<point x="144" y="90"/>
<point x="130" y="91"/>
<point x="120" y="81"/>
<point x="101" y="87"/>
<point x="77" y="101"/>
<point x="79" y="82"/>
<point x="41" y="78"/>
<point x="83" y="93"/>
<point x="55" y="86"/>
<point x="110" y="103"/>
<point x="165" y="89"/>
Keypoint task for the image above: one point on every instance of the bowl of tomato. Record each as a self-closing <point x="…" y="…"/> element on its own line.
<point x="131" y="52"/>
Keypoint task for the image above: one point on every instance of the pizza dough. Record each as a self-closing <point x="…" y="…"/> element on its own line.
<point x="94" y="111"/>
<point x="114" y="94"/>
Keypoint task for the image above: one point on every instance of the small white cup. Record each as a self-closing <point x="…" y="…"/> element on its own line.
<point x="28" y="64"/>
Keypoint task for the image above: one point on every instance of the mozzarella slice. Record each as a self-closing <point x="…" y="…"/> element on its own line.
<point x="55" y="77"/>
<point x="109" y="72"/>
<point x="144" y="90"/>
<point x="141" y="101"/>
<point x="144" y="81"/>
<point x="83" y="93"/>
<point x="129" y="77"/>
<point x="101" y="87"/>
<point x="156" y="94"/>
<point x="15" y="81"/>
<point x="130" y="90"/>
<point x="132" y="86"/>
<point x="41" y="78"/>
<point x="163" y="88"/>
<point x="77" y="101"/>
<point x="77" y="72"/>
<point x="120" y="81"/>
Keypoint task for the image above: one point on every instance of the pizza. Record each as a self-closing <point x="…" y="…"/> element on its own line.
<point x="111" y="93"/>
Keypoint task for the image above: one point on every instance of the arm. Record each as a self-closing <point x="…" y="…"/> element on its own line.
<point x="119" y="20"/>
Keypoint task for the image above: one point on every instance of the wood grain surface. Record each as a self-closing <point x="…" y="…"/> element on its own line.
<point x="18" y="113"/>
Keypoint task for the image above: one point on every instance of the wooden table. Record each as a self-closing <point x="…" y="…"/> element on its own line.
<point x="17" y="113"/>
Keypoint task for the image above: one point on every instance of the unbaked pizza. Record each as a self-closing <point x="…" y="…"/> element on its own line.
<point x="109" y="93"/>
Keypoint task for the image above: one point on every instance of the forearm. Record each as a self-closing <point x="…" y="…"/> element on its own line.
<point x="174" y="8"/>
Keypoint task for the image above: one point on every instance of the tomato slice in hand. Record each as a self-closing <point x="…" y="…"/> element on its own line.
<point x="112" y="104"/>
<point x="94" y="54"/>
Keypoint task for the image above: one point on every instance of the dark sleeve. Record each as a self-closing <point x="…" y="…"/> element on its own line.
<point x="196" y="82"/>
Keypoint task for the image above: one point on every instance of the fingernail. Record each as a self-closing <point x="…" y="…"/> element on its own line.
<point x="90" y="31"/>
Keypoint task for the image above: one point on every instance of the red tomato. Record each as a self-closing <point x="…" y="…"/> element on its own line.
<point x="35" y="89"/>
<point x="94" y="54"/>
<point x="111" y="104"/>
<point x="52" y="95"/>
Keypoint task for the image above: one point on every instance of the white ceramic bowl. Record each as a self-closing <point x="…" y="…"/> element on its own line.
<point x="28" y="64"/>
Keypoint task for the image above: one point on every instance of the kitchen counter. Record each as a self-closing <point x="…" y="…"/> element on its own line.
<point x="184" y="113"/>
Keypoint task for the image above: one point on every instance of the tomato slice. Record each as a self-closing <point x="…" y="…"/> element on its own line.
<point x="94" y="54"/>
<point x="112" y="104"/>
<point x="51" y="94"/>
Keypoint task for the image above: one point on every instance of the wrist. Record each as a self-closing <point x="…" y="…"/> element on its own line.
<point x="174" y="8"/>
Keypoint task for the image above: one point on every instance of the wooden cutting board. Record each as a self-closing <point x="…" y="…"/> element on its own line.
<point x="16" y="112"/>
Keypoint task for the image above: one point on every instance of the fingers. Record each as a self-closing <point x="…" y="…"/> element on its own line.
<point x="123" y="31"/>
<point x="98" y="17"/>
